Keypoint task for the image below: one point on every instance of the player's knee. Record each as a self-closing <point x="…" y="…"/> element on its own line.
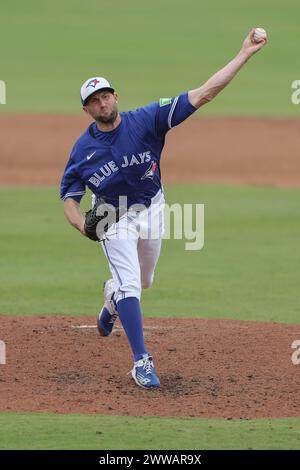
<point x="147" y="282"/>
<point x="128" y="289"/>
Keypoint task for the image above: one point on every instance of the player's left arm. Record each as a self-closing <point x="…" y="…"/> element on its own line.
<point x="74" y="215"/>
<point x="220" y="79"/>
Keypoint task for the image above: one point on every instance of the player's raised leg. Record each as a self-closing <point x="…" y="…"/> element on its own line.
<point x="108" y="314"/>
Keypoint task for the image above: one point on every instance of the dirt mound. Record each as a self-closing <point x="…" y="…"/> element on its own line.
<point x="208" y="368"/>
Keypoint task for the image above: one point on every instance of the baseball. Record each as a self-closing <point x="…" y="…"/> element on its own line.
<point x="259" y="33"/>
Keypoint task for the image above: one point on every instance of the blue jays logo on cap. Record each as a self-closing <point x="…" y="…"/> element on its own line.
<point x="93" y="83"/>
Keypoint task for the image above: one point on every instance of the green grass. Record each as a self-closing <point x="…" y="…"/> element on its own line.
<point x="148" y="50"/>
<point x="248" y="269"/>
<point x="48" y="431"/>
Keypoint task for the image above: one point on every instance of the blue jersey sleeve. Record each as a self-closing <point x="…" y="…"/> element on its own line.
<point x="168" y="113"/>
<point x="71" y="184"/>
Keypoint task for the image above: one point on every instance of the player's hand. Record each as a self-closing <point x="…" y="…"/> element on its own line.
<point x="250" y="46"/>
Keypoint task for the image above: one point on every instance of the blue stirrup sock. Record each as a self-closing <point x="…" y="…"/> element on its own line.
<point x="130" y="314"/>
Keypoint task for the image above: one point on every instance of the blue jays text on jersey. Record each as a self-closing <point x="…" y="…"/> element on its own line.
<point x="124" y="161"/>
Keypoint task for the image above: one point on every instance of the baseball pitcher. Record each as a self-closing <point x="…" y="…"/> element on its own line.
<point x="118" y="158"/>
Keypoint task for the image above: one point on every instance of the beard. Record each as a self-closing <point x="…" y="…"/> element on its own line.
<point x="110" y="119"/>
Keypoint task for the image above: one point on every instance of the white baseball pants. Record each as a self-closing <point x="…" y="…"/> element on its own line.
<point x="132" y="248"/>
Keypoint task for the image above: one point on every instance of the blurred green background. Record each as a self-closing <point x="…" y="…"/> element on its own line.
<point x="148" y="50"/>
<point x="248" y="269"/>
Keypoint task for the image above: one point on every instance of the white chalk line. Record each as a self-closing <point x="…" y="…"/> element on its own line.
<point x="117" y="328"/>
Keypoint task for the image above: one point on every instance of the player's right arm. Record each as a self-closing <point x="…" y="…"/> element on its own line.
<point x="172" y="111"/>
<point x="209" y="90"/>
<point x="74" y="215"/>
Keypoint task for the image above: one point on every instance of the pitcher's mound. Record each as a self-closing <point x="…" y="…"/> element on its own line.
<point x="207" y="368"/>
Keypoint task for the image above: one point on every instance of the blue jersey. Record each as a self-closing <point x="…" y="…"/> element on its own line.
<point x="124" y="161"/>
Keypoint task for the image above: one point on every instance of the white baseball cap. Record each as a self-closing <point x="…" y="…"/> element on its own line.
<point x="91" y="85"/>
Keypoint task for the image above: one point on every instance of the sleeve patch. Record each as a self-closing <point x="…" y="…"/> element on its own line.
<point x="165" y="101"/>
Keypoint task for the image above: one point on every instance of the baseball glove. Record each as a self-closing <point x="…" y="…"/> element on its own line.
<point x="99" y="219"/>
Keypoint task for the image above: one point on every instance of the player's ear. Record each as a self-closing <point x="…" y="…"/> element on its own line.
<point x="85" y="109"/>
<point x="116" y="96"/>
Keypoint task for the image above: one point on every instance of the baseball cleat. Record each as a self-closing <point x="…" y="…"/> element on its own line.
<point x="143" y="373"/>
<point x="108" y="313"/>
